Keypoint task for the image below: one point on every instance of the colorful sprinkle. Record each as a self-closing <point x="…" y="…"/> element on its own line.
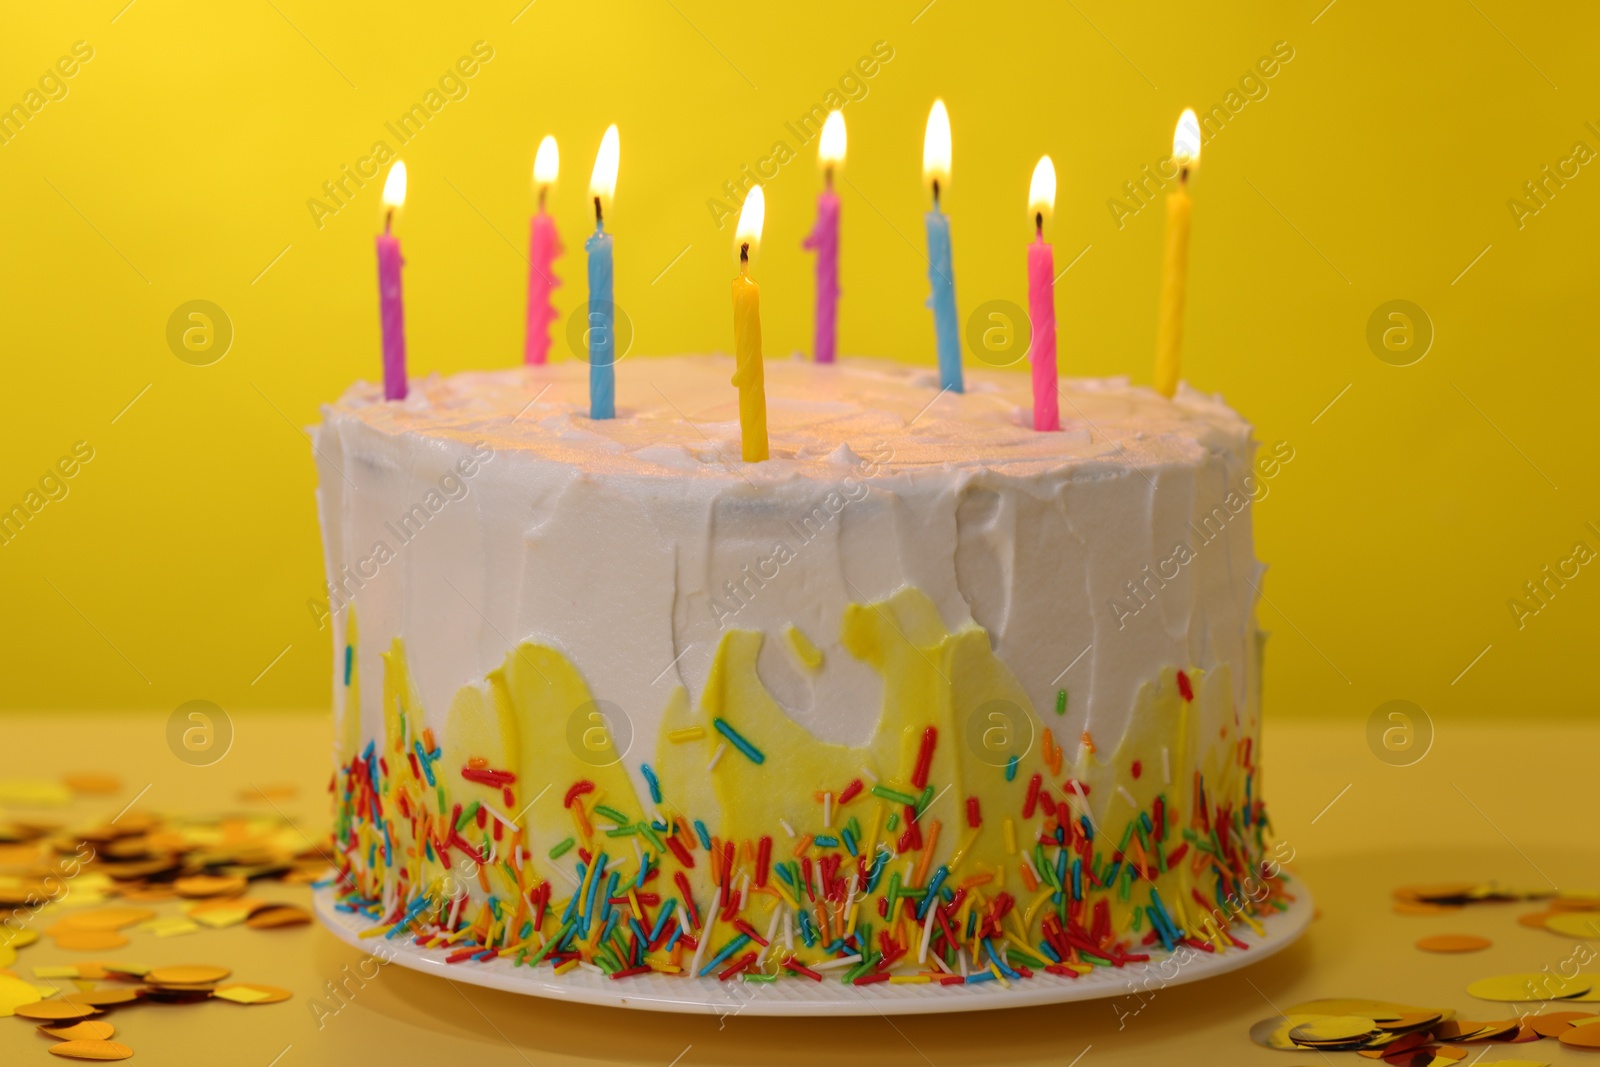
<point x="753" y="754"/>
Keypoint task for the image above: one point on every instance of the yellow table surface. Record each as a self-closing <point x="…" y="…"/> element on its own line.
<point x="1514" y="803"/>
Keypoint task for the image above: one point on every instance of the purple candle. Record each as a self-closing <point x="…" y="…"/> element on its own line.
<point x="544" y="245"/>
<point x="391" y="308"/>
<point x="824" y="239"/>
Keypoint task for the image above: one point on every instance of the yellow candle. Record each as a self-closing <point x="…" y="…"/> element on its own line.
<point x="748" y="375"/>
<point x="1175" y="266"/>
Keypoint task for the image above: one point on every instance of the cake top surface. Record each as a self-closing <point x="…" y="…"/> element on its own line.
<point x="678" y="415"/>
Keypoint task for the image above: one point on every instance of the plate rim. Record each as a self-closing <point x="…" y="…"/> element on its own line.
<point x="708" y="996"/>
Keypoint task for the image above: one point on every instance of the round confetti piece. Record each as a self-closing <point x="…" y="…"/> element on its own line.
<point x="186" y="974"/>
<point x="1581" y="924"/>
<point x="1534" y="919"/>
<point x="1556" y="1023"/>
<point x="22" y="938"/>
<point x="1411" y="1021"/>
<point x="1454" y="943"/>
<point x="102" y="998"/>
<point x="88" y="1030"/>
<point x="89" y="940"/>
<point x="252" y="993"/>
<point x="206" y="885"/>
<point x="1581" y="1037"/>
<point x="92" y="782"/>
<point x="1332" y="1028"/>
<point x="55" y="1009"/>
<point x="15" y="993"/>
<point x="1274" y="1032"/>
<point x="92" y="1050"/>
<point x="272" y="918"/>
<point x="114" y="918"/>
<point x="1529" y="987"/>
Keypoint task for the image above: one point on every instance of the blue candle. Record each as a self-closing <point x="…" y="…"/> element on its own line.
<point x="943" y="300"/>
<point x="602" y="335"/>
<point x="602" y="338"/>
<point x="936" y="171"/>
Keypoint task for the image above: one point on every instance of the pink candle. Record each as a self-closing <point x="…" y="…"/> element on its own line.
<point x="1042" y="302"/>
<point x="824" y="239"/>
<point x="391" y="307"/>
<point x="544" y="245"/>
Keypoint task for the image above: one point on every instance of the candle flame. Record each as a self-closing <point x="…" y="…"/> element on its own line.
<point x="936" y="146"/>
<point x="603" y="182"/>
<point x="1042" y="190"/>
<point x="752" y="216"/>
<point x="394" y="186"/>
<point x="547" y="162"/>
<point x="1186" y="140"/>
<point x="830" y="149"/>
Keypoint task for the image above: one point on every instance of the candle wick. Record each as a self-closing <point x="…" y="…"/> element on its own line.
<point x="828" y="176"/>
<point x="388" y="220"/>
<point x="1038" y="223"/>
<point x="744" y="253"/>
<point x="1183" y="175"/>
<point x="542" y="190"/>
<point x="936" y="193"/>
<point x="598" y="216"/>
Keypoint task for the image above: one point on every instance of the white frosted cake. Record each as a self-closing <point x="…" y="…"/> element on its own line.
<point x="927" y="688"/>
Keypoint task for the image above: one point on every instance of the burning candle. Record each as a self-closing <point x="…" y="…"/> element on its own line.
<point x="1042" y="299"/>
<point x="544" y="245"/>
<point x="748" y="374"/>
<point x="602" y="336"/>
<point x="391" y="307"/>
<point x="936" y="171"/>
<point x="824" y="239"/>
<point x="1175" y="266"/>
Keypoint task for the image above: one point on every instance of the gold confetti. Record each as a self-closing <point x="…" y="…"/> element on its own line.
<point x="14" y="993"/>
<point x="89" y="940"/>
<point x="205" y="885"/>
<point x="1274" y="1032"/>
<point x="92" y="1050"/>
<point x="1581" y="1037"/>
<point x="102" y="998"/>
<point x="112" y="918"/>
<point x="1528" y="987"/>
<point x="188" y="974"/>
<point x="1582" y="924"/>
<point x="54" y="1009"/>
<point x="1331" y="1028"/>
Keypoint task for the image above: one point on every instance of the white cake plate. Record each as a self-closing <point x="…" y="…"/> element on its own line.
<point x="798" y="996"/>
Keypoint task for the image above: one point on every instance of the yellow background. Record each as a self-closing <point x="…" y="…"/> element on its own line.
<point x="1378" y="166"/>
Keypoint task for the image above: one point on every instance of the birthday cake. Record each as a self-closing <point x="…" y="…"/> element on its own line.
<point x="926" y="696"/>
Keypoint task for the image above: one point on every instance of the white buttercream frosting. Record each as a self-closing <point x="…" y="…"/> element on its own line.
<point x="632" y="544"/>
